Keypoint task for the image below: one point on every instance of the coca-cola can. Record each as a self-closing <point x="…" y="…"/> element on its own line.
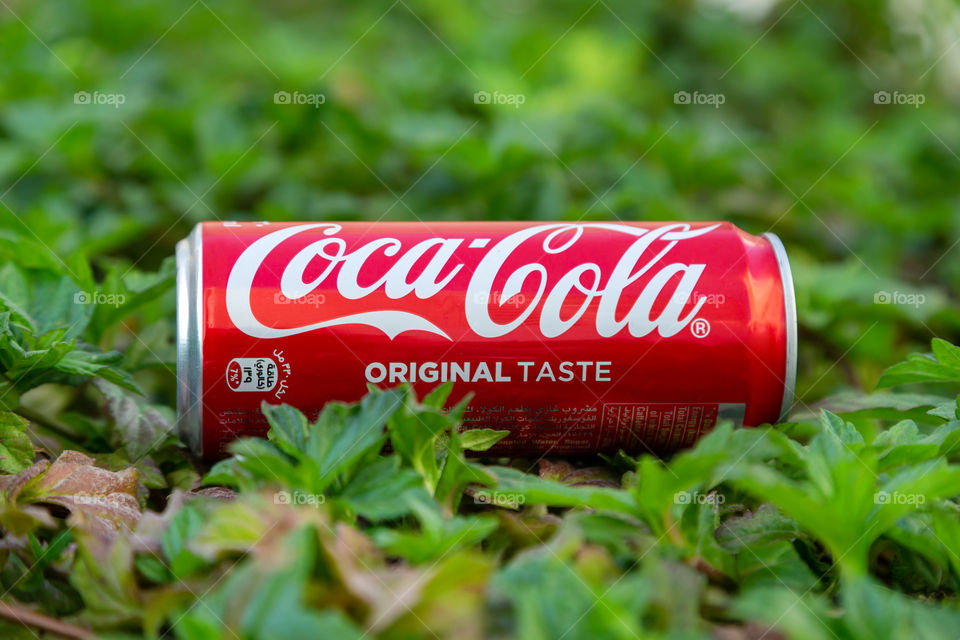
<point x="577" y="338"/>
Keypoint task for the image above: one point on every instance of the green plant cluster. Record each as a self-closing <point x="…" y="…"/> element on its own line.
<point x="123" y="125"/>
<point x="808" y="530"/>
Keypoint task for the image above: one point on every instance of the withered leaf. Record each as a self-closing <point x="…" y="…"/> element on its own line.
<point x="136" y="427"/>
<point x="563" y="471"/>
<point x="98" y="500"/>
<point x="388" y="593"/>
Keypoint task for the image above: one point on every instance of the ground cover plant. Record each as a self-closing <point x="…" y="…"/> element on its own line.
<point x="122" y="125"/>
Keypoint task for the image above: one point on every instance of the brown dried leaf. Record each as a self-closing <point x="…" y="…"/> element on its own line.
<point x="554" y="469"/>
<point x="387" y="592"/>
<point x="592" y="477"/>
<point x="216" y="493"/>
<point x="10" y="485"/>
<point x="562" y="471"/>
<point x="452" y="602"/>
<point x="255" y="524"/>
<point x="99" y="500"/>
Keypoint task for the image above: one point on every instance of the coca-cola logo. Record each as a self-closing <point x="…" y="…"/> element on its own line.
<point x="390" y="270"/>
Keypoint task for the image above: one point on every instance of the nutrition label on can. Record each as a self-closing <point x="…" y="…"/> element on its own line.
<point x="637" y="426"/>
<point x="659" y="425"/>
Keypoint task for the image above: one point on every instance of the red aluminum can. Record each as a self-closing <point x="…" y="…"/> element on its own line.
<point x="576" y="337"/>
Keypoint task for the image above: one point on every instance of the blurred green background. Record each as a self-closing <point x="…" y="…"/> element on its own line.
<point x="832" y="124"/>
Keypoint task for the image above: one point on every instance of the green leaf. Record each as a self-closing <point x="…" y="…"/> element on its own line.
<point x="797" y="615"/>
<point x="903" y="444"/>
<point x="533" y="490"/>
<point x="229" y="473"/>
<point x="45" y="300"/>
<point x="950" y="442"/>
<point x="268" y="600"/>
<point x="481" y="439"/>
<point x="288" y="426"/>
<point x="456" y="472"/>
<point x="887" y="405"/>
<point x="942" y="366"/>
<point x="125" y="290"/>
<point x="839" y="430"/>
<point x="104" y="576"/>
<point x="415" y="432"/>
<point x="9" y="396"/>
<point x="874" y="611"/>
<point x="766" y="526"/>
<point x="946" y="353"/>
<point x="263" y="461"/>
<point x="438" y="536"/>
<point x="342" y="436"/>
<point x="30" y="360"/>
<point x="551" y="595"/>
<point x="16" y="450"/>
<point x="948" y="410"/>
<point x="184" y="524"/>
<point x="382" y="490"/>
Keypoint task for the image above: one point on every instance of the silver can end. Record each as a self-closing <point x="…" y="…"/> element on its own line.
<point x="189" y="347"/>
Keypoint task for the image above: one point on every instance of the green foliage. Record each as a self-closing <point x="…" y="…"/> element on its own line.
<point x="943" y="365"/>
<point x="842" y="523"/>
<point x="332" y="531"/>
<point x="16" y="451"/>
<point x="337" y="455"/>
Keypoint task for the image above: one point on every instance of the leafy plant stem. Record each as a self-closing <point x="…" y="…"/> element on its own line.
<point x="49" y="425"/>
<point x="21" y="615"/>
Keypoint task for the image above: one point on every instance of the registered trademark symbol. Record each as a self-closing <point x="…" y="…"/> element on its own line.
<point x="700" y="328"/>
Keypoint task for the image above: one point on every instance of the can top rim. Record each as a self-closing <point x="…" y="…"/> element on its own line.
<point x="790" y="317"/>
